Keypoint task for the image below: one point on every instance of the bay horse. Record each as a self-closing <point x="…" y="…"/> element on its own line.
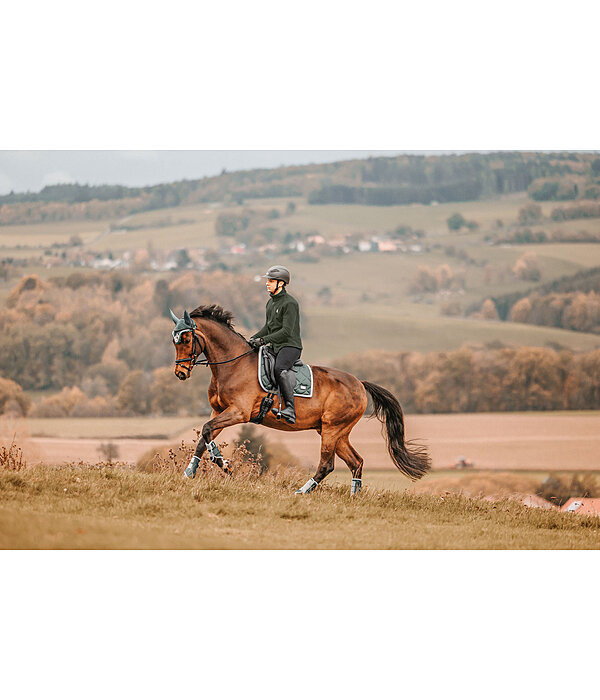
<point x="338" y="402"/>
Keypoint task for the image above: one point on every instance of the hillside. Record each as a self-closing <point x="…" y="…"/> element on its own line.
<point x="403" y="179"/>
<point x="351" y="301"/>
<point x="412" y="277"/>
<point x="93" y="508"/>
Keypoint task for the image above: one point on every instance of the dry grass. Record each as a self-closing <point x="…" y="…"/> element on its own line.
<point x="11" y="458"/>
<point x="104" y="506"/>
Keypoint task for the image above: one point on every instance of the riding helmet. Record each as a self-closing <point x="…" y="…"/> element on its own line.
<point x="278" y="272"/>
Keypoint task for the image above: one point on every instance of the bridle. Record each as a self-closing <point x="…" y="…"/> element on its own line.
<point x="198" y="350"/>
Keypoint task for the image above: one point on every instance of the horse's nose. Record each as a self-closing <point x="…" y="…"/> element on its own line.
<point x="180" y="375"/>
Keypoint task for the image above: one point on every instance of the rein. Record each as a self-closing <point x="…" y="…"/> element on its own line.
<point x="194" y="358"/>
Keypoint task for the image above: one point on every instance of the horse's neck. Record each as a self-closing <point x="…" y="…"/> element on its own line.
<point x="222" y="344"/>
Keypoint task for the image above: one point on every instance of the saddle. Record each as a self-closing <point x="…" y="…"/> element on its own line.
<point x="266" y="376"/>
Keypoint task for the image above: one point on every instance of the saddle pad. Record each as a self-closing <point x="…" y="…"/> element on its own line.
<point x="303" y="372"/>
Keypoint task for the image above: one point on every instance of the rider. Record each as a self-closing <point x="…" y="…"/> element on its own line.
<point x="282" y="330"/>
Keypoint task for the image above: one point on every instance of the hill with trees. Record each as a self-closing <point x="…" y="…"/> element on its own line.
<point x="402" y="179"/>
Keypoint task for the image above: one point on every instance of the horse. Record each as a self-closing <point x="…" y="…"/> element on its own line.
<point x="338" y="402"/>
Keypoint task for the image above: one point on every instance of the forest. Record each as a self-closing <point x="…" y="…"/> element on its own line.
<point x="77" y="339"/>
<point x="103" y="341"/>
<point x="402" y="179"/>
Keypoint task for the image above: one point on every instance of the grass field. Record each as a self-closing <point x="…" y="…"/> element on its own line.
<point x="40" y="235"/>
<point x="103" y="507"/>
<point x="332" y="333"/>
<point x="540" y="442"/>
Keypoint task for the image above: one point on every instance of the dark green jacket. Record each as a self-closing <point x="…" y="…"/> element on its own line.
<point x="283" y="322"/>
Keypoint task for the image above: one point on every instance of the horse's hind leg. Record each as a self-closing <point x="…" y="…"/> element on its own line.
<point x="345" y="451"/>
<point x="329" y="438"/>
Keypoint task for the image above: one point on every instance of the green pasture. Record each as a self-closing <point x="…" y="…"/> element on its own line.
<point x="332" y="219"/>
<point x="178" y="227"/>
<point x="330" y="333"/>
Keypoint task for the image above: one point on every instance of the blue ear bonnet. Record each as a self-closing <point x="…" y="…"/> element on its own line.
<point x="182" y="325"/>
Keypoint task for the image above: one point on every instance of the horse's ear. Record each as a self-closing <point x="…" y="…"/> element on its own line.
<point x="175" y="319"/>
<point x="187" y="319"/>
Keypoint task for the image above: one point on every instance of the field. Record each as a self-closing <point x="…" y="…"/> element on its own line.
<point x="542" y="442"/>
<point x="108" y="507"/>
<point x="351" y="303"/>
<point x="333" y="332"/>
<point x="96" y="505"/>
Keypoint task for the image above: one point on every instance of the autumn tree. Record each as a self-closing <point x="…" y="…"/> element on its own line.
<point x="12" y="398"/>
<point x="489" y="311"/>
<point x="527" y="268"/>
<point x="520" y="311"/>
<point x="134" y="393"/>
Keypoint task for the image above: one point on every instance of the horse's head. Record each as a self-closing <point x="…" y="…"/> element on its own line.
<point x="187" y="345"/>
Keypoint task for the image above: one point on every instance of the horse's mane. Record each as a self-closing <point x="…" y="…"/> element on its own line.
<point x="217" y="313"/>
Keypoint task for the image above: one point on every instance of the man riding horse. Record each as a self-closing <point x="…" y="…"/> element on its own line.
<point x="336" y="404"/>
<point x="282" y="330"/>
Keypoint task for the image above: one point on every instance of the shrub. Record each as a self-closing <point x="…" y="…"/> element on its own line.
<point x="109" y="451"/>
<point x="59" y="405"/>
<point x="585" y="210"/>
<point x="456" y="222"/>
<point x="11" y="458"/>
<point x="230" y="224"/>
<point x="527" y="268"/>
<point x="451" y="308"/>
<point x="530" y="213"/>
<point x="266" y="451"/>
<point x="558" y="490"/>
<point x="12" y="398"/>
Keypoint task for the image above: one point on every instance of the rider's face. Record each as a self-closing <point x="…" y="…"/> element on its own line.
<point x="271" y="285"/>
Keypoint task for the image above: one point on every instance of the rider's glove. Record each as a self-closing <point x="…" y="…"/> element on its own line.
<point x="256" y="342"/>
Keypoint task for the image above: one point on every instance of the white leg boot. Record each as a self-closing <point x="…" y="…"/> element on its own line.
<point x="356" y="487"/>
<point x="309" y="486"/>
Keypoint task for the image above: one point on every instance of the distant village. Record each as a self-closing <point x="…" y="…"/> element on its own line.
<point x="308" y="247"/>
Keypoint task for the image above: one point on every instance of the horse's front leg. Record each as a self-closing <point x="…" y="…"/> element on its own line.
<point x="210" y="430"/>
<point x="192" y="467"/>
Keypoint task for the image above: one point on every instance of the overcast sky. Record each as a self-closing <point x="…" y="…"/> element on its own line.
<point x="24" y="171"/>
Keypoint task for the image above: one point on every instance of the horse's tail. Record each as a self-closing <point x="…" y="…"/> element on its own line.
<point x="411" y="459"/>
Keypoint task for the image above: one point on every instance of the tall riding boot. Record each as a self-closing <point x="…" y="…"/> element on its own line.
<point x="287" y="382"/>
